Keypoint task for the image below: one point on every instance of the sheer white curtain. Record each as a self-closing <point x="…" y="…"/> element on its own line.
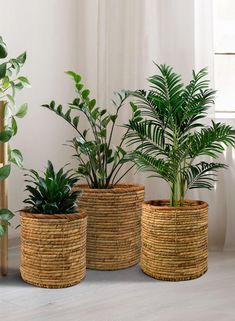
<point x="118" y="40"/>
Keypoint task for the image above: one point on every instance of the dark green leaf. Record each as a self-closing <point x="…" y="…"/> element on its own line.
<point x="85" y="93"/>
<point x="6" y="214"/>
<point x="75" y="76"/>
<point x="14" y="126"/>
<point x="92" y="104"/>
<point x="19" y="85"/>
<point x="3" y="49"/>
<point x="113" y="118"/>
<point x="59" y="109"/>
<point x="3" y="69"/>
<point x="76" y="121"/>
<point x="5" y="171"/>
<point x="79" y="87"/>
<point x="6" y="135"/>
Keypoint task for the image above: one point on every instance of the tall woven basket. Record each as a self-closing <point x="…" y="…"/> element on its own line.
<point x="174" y="240"/>
<point x="53" y="249"/>
<point x="113" y="232"/>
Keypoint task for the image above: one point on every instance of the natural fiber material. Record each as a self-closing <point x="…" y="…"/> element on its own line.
<point x="174" y="240"/>
<point x="53" y="249"/>
<point x="113" y="233"/>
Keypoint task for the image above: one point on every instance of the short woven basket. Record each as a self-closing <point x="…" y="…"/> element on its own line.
<point x="113" y="232"/>
<point x="53" y="249"/>
<point x="174" y="240"/>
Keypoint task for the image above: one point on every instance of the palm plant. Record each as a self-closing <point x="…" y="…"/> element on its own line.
<point x="53" y="193"/>
<point x="100" y="162"/>
<point x="168" y="130"/>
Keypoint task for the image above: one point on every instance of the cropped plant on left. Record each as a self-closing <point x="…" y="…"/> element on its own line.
<point x="10" y="82"/>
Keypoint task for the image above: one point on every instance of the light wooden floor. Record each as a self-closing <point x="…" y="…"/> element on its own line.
<point x="126" y="295"/>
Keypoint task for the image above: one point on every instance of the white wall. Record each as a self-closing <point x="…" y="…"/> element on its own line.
<point x="121" y="43"/>
<point x="112" y="43"/>
<point x="47" y="29"/>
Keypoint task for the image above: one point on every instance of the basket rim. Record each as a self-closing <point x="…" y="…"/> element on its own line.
<point x="118" y="189"/>
<point x="80" y="214"/>
<point x="191" y="205"/>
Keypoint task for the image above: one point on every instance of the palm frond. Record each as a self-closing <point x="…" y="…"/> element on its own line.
<point x="211" y="140"/>
<point x="197" y="99"/>
<point x="167" y="84"/>
<point x="202" y="175"/>
<point x="159" y="167"/>
<point x="169" y="89"/>
<point x="149" y="137"/>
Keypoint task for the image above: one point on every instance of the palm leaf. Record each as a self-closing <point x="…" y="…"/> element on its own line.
<point x="202" y="175"/>
<point x="147" y="163"/>
<point x="211" y="140"/>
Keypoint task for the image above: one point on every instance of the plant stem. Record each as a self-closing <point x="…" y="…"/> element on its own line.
<point x="123" y="175"/>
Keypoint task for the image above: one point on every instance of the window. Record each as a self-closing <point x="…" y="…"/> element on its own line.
<point x="224" y="57"/>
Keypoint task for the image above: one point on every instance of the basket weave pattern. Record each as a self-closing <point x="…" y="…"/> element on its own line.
<point x="113" y="233"/>
<point x="53" y="249"/>
<point x="174" y="240"/>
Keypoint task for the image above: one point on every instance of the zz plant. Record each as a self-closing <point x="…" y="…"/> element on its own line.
<point x="171" y="136"/>
<point x="100" y="162"/>
<point x="10" y="82"/>
<point x="51" y="193"/>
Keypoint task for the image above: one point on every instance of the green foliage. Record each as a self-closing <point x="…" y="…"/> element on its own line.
<point x="10" y="82"/>
<point x="51" y="193"/>
<point x="5" y="215"/>
<point x="3" y="49"/>
<point x="4" y="172"/>
<point x="168" y="131"/>
<point x="99" y="161"/>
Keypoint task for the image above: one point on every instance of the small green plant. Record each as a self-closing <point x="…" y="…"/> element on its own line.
<point x="99" y="161"/>
<point x="170" y="135"/>
<point x="51" y="193"/>
<point x="10" y="82"/>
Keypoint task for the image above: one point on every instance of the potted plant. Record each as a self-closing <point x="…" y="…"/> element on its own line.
<point x="114" y="210"/>
<point x="171" y="139"/>
<point x="10" y="82"/>
<point x="53" y="231"/>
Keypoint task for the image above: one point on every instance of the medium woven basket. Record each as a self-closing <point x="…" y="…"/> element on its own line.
<point x="174" y="240"/>
<point x="113" y="232"/>
<point x="53" y="249"/>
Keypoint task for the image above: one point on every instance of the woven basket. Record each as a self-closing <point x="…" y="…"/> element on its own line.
<point x="53" y="249"/>
<point x="113" y="232"/>
<point x="174" y="240"/>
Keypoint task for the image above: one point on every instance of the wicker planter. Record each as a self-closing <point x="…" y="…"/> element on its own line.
<point x="53" y="249"/>
<point x="113" y="232"/>
<point x="174" y="240"/>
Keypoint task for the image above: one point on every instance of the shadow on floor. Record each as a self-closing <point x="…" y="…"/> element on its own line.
<point x="133" y="274"/>
<point x="130" y="275"/>
<point x="13" y="279"/>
